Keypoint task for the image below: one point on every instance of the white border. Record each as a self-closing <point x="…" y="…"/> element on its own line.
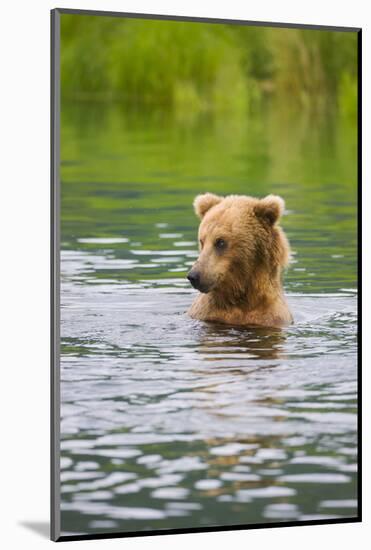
<point x="25" y="57"/>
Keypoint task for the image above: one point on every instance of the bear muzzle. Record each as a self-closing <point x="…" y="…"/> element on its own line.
<point x="194" y="277"/>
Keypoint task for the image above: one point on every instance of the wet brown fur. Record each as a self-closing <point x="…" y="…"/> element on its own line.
<point x="243" y="282"/>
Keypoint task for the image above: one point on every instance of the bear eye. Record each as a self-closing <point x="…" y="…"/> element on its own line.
<point x="220" y="244"/>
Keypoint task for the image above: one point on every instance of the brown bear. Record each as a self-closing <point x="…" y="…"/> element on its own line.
<point x="242" y="254"/>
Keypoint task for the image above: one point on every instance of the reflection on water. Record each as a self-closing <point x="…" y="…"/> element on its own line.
<point x="168" y="422"/>
<point x="220" y="342"/>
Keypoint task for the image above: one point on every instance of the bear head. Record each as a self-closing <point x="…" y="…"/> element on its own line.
<point x="242" y="248"/>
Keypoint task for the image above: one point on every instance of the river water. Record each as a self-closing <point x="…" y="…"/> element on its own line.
<point x="168" y="422"/>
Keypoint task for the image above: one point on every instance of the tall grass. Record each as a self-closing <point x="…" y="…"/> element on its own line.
<point x="203" y="66"/>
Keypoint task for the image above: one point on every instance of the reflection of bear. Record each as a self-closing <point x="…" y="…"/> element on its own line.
<point x="242" y="254"/>
<point x="219" y="342"/>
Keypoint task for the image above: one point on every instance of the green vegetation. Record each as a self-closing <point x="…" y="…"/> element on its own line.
<point x="154" y="112"/>
<point x="205" y="67"/>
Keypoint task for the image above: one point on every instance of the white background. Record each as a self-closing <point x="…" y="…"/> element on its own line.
<point x="24" y="269"/>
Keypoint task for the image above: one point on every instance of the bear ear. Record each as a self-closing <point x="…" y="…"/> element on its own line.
<point x="203" y="203"/>
<point x="270" y="208"/>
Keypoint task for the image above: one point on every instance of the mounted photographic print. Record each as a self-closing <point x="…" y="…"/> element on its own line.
<point x="205" y="282"/>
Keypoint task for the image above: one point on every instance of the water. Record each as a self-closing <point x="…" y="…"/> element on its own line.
<point x="168" y="422"/>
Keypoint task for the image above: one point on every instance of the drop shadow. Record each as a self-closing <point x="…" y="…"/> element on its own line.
<point x="42" y="528"/>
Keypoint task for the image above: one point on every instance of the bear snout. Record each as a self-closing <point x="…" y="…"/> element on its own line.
<point x="194" y="277"/>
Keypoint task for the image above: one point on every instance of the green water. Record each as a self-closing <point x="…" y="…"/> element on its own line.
<point x="123" y="173"/>
<point x="168" y="422"/>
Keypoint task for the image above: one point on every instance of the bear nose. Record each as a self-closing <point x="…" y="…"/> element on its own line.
<point x="194" y="278"/>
